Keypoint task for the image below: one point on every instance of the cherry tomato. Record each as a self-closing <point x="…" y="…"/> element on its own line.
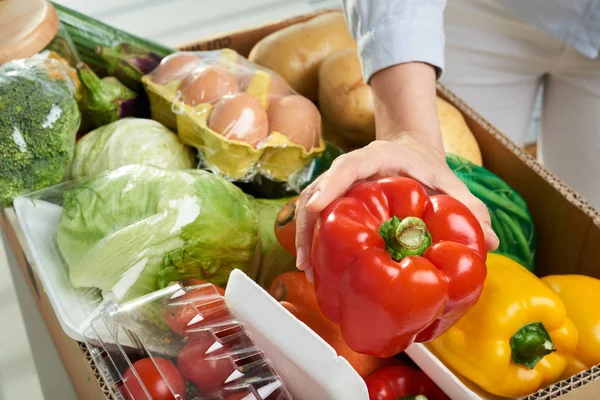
<point x="196" y="308"/>
<point x="285" y="226"/>
<point x="207" y="371"/>
<point x="153" y="381"/>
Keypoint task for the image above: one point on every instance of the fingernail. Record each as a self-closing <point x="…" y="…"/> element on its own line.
<point x="314" y="197"/>
<point x="310" y="275"/>
<point x="300" y="257"/>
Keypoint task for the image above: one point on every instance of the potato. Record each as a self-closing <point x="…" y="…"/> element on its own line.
<point x="346" y="105"/>
<point x="456" y="135"/>
<point x="296" y="52"/>
<point x="345" y="100"/>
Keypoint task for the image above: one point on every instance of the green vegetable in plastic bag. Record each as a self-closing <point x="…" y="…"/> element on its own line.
<point x="39" y="119"/>
<point x="511" y="219"/>
<point x="138" y="228"/>
<point x="130" y="141"/>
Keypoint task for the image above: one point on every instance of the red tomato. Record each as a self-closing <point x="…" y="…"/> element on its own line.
<point x="195" y="309"/>
<point x="153" y="381"/>
<point x="207" y="371"/>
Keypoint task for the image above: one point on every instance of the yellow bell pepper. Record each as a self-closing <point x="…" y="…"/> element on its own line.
<point x="516" y="339"/>
<point x="581" y="295"/>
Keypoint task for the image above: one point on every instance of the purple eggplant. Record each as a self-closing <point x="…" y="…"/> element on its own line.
<point x="129" y="63"/>
<point x="104" y="100"/>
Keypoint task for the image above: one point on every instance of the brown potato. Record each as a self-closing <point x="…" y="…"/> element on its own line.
<point x="346" y="105"/>
<point x="345" y="99"/>
<point x="296" y="52"/>
<point x="456" y="135"/>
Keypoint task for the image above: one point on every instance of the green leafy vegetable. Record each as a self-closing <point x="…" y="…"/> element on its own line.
<point x="130" y="141"/>
<point x="135" y="229"/>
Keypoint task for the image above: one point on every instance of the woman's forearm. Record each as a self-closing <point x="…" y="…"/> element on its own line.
<point x="405" y="103"/>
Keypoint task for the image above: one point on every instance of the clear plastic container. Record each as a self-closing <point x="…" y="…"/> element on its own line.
<point x="182" y="342"/>
<point x="246" y="121"/>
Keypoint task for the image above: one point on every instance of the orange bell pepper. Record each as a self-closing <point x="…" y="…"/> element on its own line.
<point x="297" y="295"/>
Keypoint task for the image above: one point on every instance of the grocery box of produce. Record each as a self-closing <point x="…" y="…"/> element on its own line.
<point x="567" y="229"/>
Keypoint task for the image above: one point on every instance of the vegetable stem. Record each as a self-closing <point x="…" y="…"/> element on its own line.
<point x="531" y="344"/>
<point x="405" y="237"/>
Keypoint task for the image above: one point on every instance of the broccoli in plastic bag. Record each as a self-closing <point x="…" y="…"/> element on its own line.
<point x="138" y="228"/>
<point x="39" y="119"/>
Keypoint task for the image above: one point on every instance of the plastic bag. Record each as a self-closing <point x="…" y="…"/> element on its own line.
<point x="246" y="121"/>
<point x="63" y="45"/>
<point x="187" y="335"/>
<point x="138" y="228"/>
<point x="39" y="119"/>
<point x="130" y="141"/>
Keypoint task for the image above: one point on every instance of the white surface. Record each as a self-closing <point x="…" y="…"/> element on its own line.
<point x="451" y="384"/>
<point x="74" y="308"/>
<point x="308" y="365"/>
<point x="174" y="22"/>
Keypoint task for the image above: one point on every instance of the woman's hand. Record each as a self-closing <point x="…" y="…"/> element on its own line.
<point x="409" y="145"/>
<point x="400" y="157"/>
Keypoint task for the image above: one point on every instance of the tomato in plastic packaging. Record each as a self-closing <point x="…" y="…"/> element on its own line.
<point x="205" y="363"/>
<point x="198" y="307"/>
<point x="166" y="384"/>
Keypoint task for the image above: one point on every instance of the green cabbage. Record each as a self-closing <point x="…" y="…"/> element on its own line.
<point x="130" y="141"/>
<point x="136" y="229"/>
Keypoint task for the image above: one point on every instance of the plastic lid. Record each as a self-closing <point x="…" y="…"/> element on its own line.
<point x="26" y="27"/>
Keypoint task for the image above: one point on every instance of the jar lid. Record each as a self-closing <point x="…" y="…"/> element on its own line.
<point x="26" y="27"/>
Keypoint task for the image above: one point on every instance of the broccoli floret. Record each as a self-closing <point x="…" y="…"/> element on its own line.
<point x="39" y="119"/>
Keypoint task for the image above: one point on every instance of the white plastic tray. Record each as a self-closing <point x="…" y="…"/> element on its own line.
<point x="74" y="308"/>
<point x="308" y="365"/>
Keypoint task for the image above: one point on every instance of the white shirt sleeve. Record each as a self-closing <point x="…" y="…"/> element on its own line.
<point x="390" y="32"/>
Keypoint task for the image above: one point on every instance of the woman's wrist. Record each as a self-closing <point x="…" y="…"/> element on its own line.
<point x="405" y="103"/>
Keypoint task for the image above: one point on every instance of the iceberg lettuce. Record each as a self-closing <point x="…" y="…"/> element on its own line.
<point x="135" y="229"/>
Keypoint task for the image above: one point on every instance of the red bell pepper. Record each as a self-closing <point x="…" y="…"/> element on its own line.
<point x="393" y="265"/>
<point x="401" y="382"/>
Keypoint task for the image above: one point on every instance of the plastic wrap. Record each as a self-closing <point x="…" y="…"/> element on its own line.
<point x="138" y="228"/>
<point x="245" y="121"/>
<point x="130" y="141"/>
<point x="39" y="119"/>
<point x="64" y="46"/>
<point x="183" y="340"/>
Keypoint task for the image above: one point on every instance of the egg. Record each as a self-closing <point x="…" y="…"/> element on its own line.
<point x="278" y="86"/>
<point x="211" y="84"/>
<point x="175" y="67"/>
<point x="240" y="117"/>
<point x="298" y="118"/>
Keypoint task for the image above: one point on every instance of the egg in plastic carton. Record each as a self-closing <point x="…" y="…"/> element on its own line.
<point x="181" y="342"/>
<point x="245" y="120"/>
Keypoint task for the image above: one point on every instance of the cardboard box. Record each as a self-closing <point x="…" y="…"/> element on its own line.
<point x="568" y="229"/>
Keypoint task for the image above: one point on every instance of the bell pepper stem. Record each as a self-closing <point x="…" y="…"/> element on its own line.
<point x="405" y="237"/>
<point x="531" y="344"/>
